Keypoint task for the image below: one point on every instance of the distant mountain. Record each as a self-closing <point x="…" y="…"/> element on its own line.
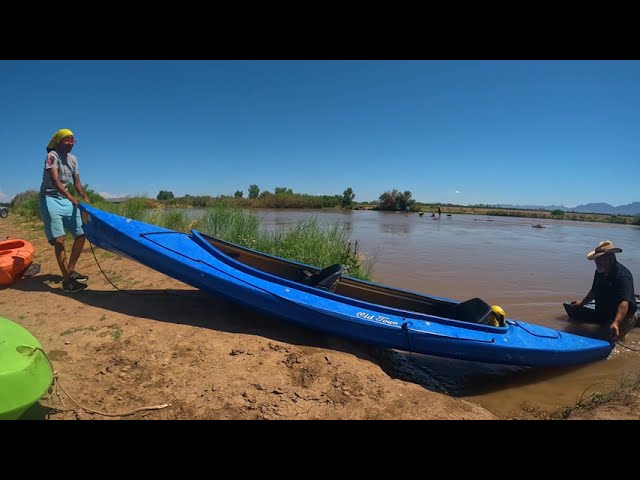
<point x="629" y="209"/>
<point x="534" y="207"/>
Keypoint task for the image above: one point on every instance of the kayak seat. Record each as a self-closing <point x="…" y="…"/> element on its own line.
<point x="474" y="310"/>
<point x="326" y="279"/>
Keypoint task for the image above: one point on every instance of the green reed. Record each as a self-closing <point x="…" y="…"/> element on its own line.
<point x="135" y="208"/>
<point x="230" y="223"/>
<point x="307" y="241"/>
<point x="172" y="219"/>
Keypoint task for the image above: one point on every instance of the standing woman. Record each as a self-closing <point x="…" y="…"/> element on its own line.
<point x="59" y="208"/>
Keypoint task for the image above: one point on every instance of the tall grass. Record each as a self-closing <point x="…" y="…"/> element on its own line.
<point x="309" y="242"/>
<point x="230" y="223"/>
<point x="306" y="241"/>
<point x="171" y="219"/>
<point x="30" y="207"/>
<point x="135" y="208"/>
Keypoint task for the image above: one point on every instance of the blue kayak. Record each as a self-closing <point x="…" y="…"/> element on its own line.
<point x="327" y="300"/>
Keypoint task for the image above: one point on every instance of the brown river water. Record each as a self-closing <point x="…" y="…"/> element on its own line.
<point x="528" y="271"/>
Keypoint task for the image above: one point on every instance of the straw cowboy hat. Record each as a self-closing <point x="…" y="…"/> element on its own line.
<point x="602" y="249"/>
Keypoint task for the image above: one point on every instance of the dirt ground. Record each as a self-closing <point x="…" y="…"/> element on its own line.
<point x="159" y="343"/>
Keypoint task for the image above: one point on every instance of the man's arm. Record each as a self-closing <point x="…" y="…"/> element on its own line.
<point x="78" y="184"/>
<point x="625" y="293"/>
<point x="621" y="314"/>
<point x="590" y="296"/>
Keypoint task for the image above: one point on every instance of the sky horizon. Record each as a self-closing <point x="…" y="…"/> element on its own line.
<point x="525" y="132"/>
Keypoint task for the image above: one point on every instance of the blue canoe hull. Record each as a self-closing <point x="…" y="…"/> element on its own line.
<point x="218" y="267"/>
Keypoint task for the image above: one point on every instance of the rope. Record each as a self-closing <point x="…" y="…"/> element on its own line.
<point x="405" y="329"/>
<point x="56" y="384"/>
<point x="513" y="322"/>
<point x="617" y="342"/>
<point x="125" y="291"/>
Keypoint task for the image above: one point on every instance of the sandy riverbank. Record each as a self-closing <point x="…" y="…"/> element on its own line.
<point x="163" y="342"/>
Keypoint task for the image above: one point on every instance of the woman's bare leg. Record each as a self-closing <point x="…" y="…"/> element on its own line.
<point x="76" y="250"/>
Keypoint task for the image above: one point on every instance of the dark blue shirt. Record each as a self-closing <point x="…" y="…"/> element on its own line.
<point x="613" y="289"/>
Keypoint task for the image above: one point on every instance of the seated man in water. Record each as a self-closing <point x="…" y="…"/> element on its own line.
<point x="612" y="290"/>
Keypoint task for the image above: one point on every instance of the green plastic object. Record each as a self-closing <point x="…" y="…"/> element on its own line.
<point x="25" y="371"/>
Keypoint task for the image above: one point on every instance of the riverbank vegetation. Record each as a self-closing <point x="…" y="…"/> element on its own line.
<point x="307" y="241"/>
<point x="282" y="197"/>
<point x="390" y="200"/>
<point x="625" y="395"/>
<point x="231" y="218"/>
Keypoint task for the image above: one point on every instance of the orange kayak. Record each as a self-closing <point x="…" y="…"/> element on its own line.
<point x="16" y="255"/>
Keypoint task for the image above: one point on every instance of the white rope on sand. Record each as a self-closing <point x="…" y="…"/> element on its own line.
<point x="28" y="350"/>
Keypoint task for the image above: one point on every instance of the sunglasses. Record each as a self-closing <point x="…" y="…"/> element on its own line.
<point x="68" y="141"/>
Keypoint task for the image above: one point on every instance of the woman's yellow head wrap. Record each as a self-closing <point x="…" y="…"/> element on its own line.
<point x="59" y="135"/>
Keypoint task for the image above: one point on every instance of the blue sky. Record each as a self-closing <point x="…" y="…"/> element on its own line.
<point x="466" y="132"/>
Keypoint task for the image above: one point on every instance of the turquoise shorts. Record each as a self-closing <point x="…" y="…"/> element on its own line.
<point x="58" y="215"/>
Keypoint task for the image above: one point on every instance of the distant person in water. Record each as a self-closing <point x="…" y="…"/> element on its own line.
<point x="612" y="290"/>
<point x="439" y="212"/>
<point x="59" y="209"/>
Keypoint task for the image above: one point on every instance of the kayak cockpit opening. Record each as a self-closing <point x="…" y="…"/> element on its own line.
<point x="326" y="279"/>
<point x="476" y="310"/>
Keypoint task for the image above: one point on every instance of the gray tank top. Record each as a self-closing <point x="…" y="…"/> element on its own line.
<point x="66" y="168"/>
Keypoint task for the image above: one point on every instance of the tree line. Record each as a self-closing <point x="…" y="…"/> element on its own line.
<point x="282" y="197"/>
<point x="286" y="198"/>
